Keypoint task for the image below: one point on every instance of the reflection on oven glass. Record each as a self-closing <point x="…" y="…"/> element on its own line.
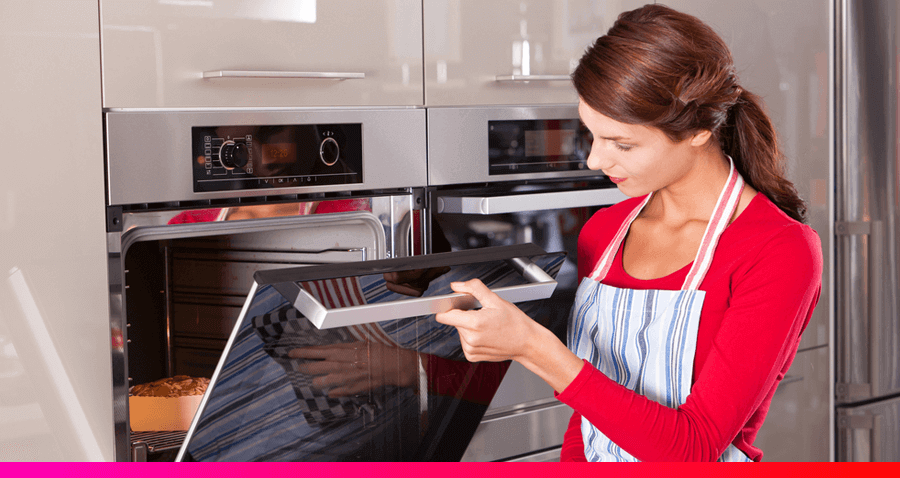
<point x="396" y="390"/>
<point x="552" y="230"/>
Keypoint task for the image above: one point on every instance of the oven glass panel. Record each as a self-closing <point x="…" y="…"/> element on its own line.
<point x="396" y="390"/>
<point x="536" y="146"/>
<point x="229" y="158"/>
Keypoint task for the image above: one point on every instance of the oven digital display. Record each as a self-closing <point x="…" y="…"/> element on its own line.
<point x="536" y="146"/>
<point x="230" y="158"/>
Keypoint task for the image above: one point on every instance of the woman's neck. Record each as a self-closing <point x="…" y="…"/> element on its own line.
<point x="694" y="196"/>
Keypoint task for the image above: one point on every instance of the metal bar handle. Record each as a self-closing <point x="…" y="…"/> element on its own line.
<point x="846" y="391"/>
<point x="528" y="202"/>
<point x="541" y="286"/>
<point x="527" y="78"/>
<point x="876" y="258"/>
<point x="318" y="75"/>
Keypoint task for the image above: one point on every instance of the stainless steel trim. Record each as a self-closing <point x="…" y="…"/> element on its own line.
<point x="528" y="202"/>
<point x="451" y="161"/>
<point x="541" y="287"/>
<point x="519" y="434"/>
<point x="527" y="78"/>
<point x="547" y="456"/>
<point x="149" y="153"/>
<point x="327" y="75"/>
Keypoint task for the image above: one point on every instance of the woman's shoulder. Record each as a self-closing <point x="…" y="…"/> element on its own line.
<point x="766" y="231"/>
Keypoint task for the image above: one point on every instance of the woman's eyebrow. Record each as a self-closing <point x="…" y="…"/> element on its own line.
<point x="615" y="138"/>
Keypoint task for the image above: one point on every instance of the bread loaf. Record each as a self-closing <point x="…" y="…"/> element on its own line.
<point x="177" y="386"/>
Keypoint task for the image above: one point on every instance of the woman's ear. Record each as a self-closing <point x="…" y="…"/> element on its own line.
<point x="701" y="137"/>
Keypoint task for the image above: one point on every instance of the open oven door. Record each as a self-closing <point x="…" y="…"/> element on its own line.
<point x="329" y="363"/>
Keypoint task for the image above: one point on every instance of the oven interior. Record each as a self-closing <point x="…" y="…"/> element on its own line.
<point x="185" y="286"/>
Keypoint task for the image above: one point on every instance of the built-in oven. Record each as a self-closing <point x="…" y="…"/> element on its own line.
<point x="198" y="201"/>
<point x="514" y="175"/>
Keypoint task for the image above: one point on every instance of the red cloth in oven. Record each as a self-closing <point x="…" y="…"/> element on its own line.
<point x="761" y="289"/>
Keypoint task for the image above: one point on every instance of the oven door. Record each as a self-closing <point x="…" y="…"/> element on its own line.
<point x="336" y="363"/>
<point x="549" y="213"/>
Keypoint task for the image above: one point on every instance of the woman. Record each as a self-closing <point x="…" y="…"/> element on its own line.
<point x="696" y="290"/>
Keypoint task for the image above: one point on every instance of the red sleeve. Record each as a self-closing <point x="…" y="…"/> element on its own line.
<point x="573" y="446"/>
<point x="771" y="303"/>
<point x="454" y="378"/>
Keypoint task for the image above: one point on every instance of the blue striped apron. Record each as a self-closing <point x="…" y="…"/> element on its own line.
<point x="645" y="340"/>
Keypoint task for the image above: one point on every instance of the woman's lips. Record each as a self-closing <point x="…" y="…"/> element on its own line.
<point x="616" y="180"/>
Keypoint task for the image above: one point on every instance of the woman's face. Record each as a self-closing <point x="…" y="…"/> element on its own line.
<point x="639" y="159"/>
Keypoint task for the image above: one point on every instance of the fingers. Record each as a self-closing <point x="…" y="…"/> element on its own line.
<point x="481" y="292"/>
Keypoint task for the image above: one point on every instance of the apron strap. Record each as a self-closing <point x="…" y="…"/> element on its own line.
<point x="724" y="210"/>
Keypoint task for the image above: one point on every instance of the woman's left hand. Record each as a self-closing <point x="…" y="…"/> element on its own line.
<point x="496" y="332"/>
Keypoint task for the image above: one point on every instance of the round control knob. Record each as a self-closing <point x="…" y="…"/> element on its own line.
<point x="234" y="155"/>
<point x="329" y="151"/>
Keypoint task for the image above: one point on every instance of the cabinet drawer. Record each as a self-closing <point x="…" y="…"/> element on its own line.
<point x="481" y="53"/>
<point x="155" y="53"/>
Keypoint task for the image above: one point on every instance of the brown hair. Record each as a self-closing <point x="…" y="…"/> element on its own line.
<point x="665" y="69"/>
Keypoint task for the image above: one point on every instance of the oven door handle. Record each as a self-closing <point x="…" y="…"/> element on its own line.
<point x="316" y="75"/>
<point x="541" y="286"/>
<point x="528" y="202"/>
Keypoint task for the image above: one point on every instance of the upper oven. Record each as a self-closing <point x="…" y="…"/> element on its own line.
<point x="198" y="201"/>
<point x="505" y="175"/>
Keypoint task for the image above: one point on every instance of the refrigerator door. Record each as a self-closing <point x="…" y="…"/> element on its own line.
<point x="867" y="230"/>
<point x="870" y="432"/>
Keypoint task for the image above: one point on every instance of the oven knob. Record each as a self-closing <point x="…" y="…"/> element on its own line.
<point x="234" y="155"/>
<point x="329" y="151"/>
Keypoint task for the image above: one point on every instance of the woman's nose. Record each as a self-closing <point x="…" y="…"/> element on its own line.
<point x="595" y="159"/>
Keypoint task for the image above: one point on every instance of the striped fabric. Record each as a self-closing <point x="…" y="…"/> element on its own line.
<point x="645" y="340"/>
<point x="261" y="409"/>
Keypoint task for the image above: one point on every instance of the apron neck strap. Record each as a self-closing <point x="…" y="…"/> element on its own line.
<point x="724" y="210"/>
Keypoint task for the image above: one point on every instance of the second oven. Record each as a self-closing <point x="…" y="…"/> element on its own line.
<point x="515" y="175"/>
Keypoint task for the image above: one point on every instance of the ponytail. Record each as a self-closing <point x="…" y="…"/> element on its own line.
<point x="748" y="136"/>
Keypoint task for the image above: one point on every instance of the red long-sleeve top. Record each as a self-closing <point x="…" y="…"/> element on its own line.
<point x="761" y="289"/>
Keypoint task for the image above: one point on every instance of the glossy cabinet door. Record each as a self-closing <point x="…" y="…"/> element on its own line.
<point x="797" y="425"/>
<point x="55" y="378"/>
<point x="261" y="53"/>
<point x="509" y="51"/>
<point x="781" y="53"/>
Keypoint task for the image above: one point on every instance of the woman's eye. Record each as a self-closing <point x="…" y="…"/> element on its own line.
<point x="623" y="147"/>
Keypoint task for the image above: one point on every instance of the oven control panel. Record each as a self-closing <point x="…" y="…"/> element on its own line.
<point x="227" y="158"/>
<point x="537" y="146"/>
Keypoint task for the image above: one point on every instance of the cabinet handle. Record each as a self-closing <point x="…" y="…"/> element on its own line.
<point x="533" y="77"/>
<point x="320" y="75"/>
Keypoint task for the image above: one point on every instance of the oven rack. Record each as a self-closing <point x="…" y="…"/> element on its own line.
<point x="144" y="443"/>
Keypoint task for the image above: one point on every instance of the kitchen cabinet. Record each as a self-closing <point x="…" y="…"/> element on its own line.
<point x="261" y="53"/>
<point x="797" y="425"/>
<point x="509" y="51"/>
<point x="781" y="53"/>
